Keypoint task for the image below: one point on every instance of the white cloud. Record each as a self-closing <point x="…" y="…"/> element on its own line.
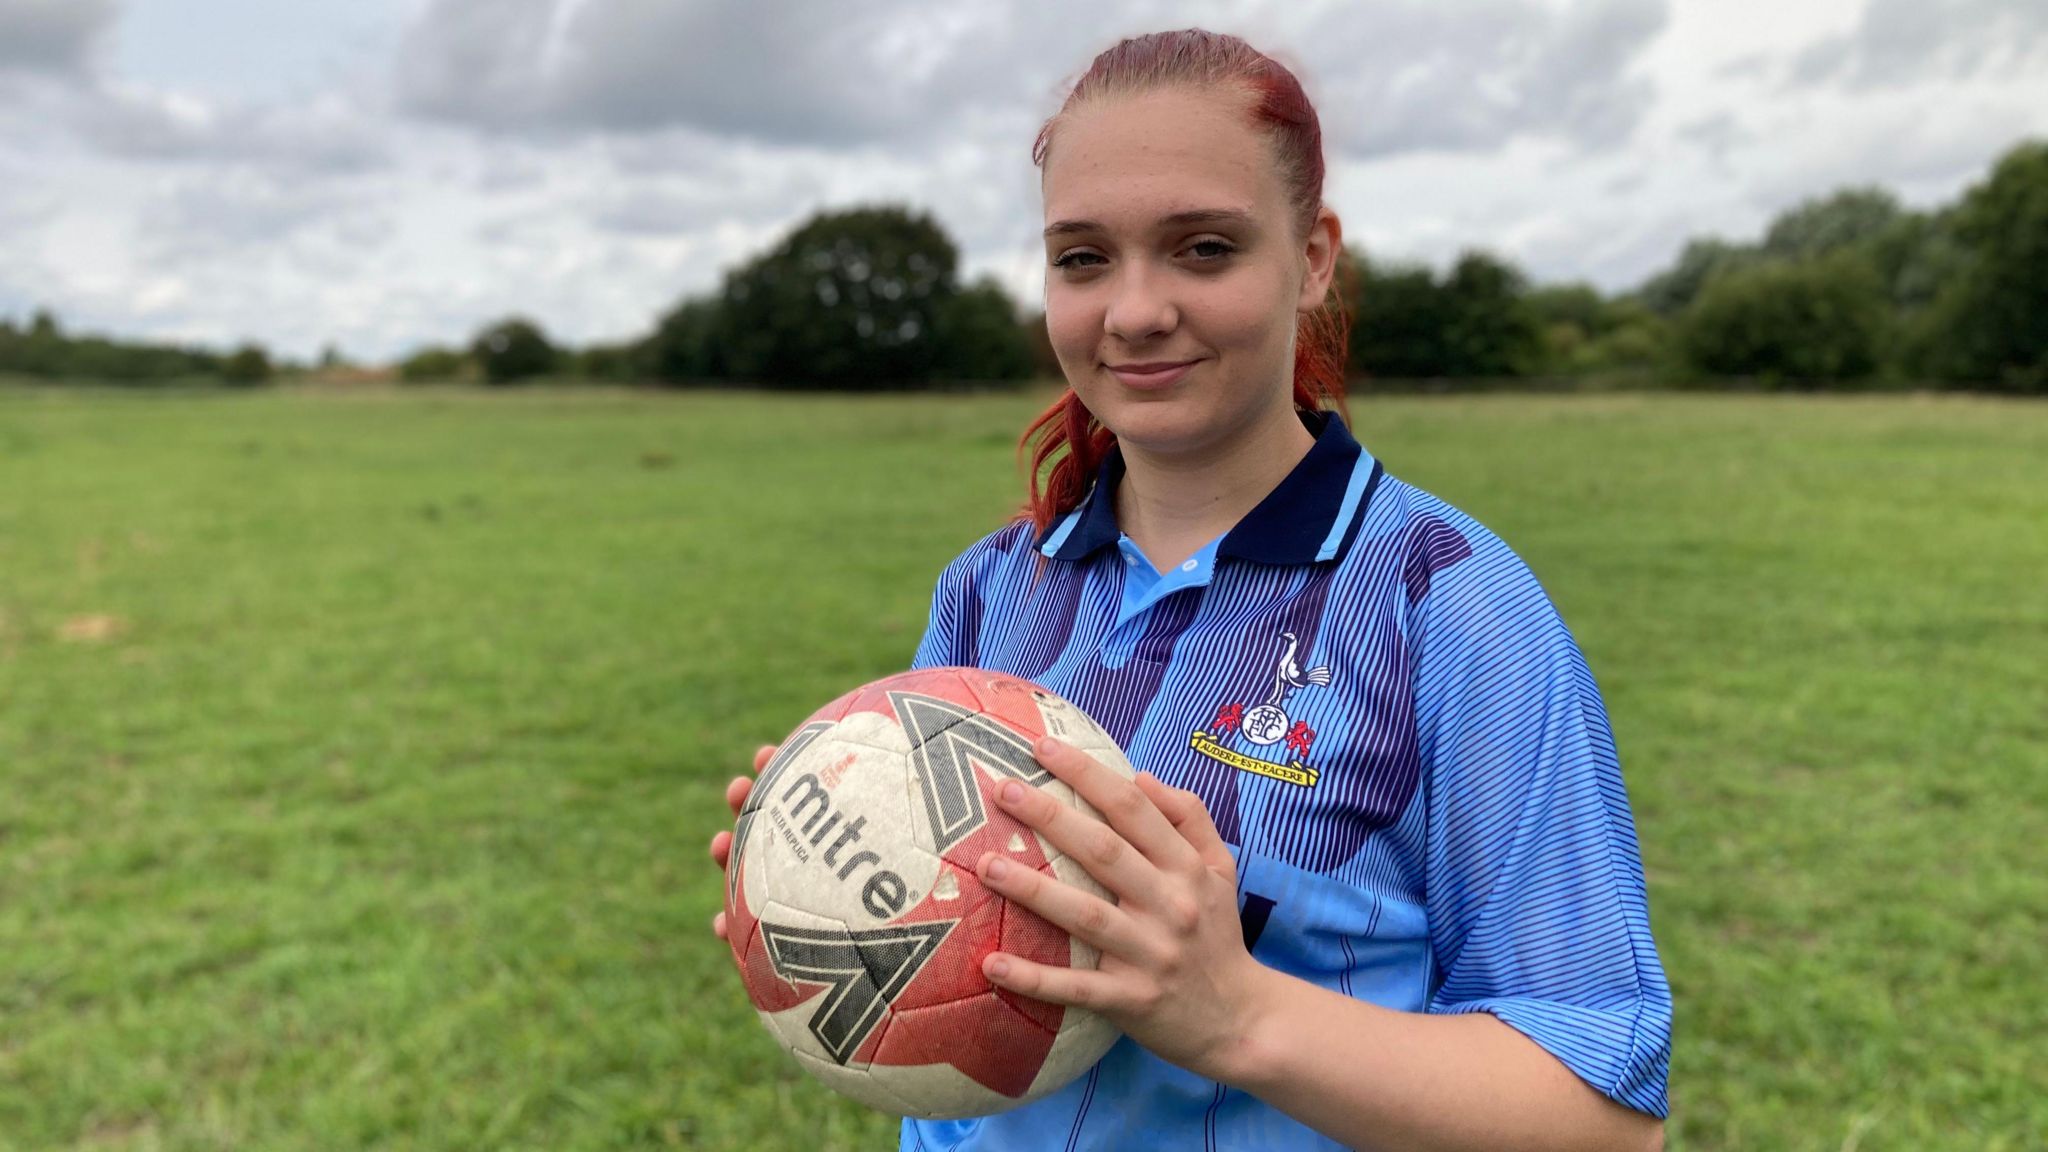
<point x="325" y="134"/>
<point x="1914" y="40"/>
<point x="420" y="167"/>
<point x="1419" y="76"/>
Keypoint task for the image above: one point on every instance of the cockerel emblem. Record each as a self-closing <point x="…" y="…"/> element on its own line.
<point x="1266" y="724"/>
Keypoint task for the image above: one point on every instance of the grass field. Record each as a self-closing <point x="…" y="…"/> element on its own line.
<point x="357" y="753"/>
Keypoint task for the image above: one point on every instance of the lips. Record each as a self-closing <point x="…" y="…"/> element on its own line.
<point x="1151" y="375"/>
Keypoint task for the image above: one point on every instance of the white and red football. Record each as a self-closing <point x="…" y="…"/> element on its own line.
<point x="857" y="919"/>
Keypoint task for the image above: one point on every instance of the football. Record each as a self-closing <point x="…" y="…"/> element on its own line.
<point x="857" y="919"/>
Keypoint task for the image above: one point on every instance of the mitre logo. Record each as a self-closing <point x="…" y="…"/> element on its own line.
<point x="1267" y="723"/>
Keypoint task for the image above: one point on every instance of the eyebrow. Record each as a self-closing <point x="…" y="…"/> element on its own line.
<point x="1178" y="219"/>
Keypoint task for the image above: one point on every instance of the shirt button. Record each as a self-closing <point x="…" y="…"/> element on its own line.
<point x="1129" y="558"/>
<point x="1190" y="566"/>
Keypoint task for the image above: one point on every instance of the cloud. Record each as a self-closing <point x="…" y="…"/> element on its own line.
<point x="1417" y="75"/>
<point x="51" y="35"/>
<point x="824" y="74"/>
<point x="1900" y="41"/>
<point x="328" y="134"/>
<point x="801" y="72"/>
<point x="587" y="162"/>
<point x="1717" y="133"/>
<point x="237" y="213"/>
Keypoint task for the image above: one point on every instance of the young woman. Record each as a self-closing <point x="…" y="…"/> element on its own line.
<point x="1377" y="885"/>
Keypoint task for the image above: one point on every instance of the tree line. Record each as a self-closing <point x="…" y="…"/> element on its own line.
<point x="41" y="348"/>
<point x="1849" y="290"/>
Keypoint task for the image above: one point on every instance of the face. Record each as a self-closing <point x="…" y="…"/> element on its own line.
<point x="1176" y="271"/>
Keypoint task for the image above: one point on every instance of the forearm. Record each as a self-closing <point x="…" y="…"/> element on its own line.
<point x="1375" y="1078"/>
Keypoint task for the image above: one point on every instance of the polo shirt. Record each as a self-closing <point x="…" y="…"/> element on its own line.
<point x="1400" y="741"/>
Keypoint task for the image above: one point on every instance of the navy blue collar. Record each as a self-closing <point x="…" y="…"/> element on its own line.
<point x="1312" y="516"/>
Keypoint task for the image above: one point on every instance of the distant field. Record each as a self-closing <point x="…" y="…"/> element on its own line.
<point x="357" y="752"/>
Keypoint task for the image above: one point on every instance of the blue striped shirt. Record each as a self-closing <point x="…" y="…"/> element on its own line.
<point x="1401" y="742"/>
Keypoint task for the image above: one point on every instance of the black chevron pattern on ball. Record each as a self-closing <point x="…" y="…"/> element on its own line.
<point x="946" y="742"/>
<point x="764" y="785"/>
<point x="864" y="971"/>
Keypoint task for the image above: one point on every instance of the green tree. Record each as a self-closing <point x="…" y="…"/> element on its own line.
<point x="1670" y="291"/>
<point x="1045" y="363"/>
<point x="1916" y="256"/>
<point x="851" y="299"/>
<point x="683" y="347"/>
<point x="979" y="337"/>
<point x="1849" y="218"/>
<point x="1492" y="331"/>
<point x="1585" y="333"/>
<point x="621" y="363"/>
<point x="1400" y="318"/>
<point x="1989" y="323"/>
<point x="1786" y="322"/>
<point x="1578" y="304"/>
<point x="513" y="349"/>
<point x="249" y="364"/>
<point x="436" y="363"/>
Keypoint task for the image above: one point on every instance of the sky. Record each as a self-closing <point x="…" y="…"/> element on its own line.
<point x="384" y="174"/>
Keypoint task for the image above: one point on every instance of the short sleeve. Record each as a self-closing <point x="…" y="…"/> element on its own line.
<point x="1537" y="908"/>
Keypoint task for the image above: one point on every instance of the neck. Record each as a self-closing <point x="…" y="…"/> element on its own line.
<point x="1171" y="504"/>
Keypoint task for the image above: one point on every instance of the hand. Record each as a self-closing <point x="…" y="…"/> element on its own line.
<point x="1174" y="974"/>
<point x="736" y="792"/>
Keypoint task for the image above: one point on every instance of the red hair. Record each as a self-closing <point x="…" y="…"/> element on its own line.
<point x="1065" y="445"/>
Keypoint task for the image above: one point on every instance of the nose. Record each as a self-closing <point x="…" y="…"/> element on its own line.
<point x="1139" y="308"/>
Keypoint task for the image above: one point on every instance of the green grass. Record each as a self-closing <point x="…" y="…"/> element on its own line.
<point x="357" y="753"/>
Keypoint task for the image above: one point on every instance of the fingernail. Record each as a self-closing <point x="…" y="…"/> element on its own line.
<point x="1048" y="745"/>
<point x="998" y="967"/>
<point x="1011" y="793"/>
<point x="998" y="867"/>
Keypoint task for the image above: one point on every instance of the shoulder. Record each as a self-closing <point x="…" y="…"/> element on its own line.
<point x="1459" y="580"/>
<point x="988" y="558"/>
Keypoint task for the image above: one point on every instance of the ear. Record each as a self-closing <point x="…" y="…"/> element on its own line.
<point x="1325" y="241"/>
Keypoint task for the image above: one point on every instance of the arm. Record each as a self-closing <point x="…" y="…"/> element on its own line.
<point x="1375" y="1078"/>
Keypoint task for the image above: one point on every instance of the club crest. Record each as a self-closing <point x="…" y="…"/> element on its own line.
<point x="1267" y="723"/>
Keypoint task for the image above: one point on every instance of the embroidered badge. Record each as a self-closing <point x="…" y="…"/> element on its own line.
<point x="1267" y="724"/>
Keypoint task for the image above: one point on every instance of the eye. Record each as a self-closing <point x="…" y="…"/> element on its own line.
<point x="1077" y="258"/>
<point x="1210" y="251"/>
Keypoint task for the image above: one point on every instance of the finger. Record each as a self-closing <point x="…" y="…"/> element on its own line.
<point x="718" y="925"/>
<point x="736" y="792"/>
<point x="762" y="756"/>
<point x="1122" y="804"/>
<point x="1095" y="846"/>
<point x="1081" y="914"/>
<point x="1191" y="817"/>
<point x="721" y="847"/>
<point x="1076" y="987"/>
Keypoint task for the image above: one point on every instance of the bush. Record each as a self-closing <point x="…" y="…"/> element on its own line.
<point x="1810" y="322"/>
<point x="249" y="364"/>
<point x="436" y="364"/>
<point x="513" y="349"/>
<point x="1475" y="322"/>
<point x="613" y="363"/>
